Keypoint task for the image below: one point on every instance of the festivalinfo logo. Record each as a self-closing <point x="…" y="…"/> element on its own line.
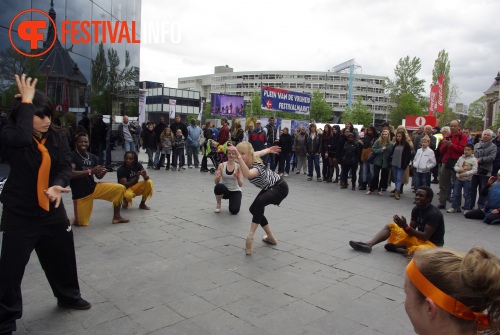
<point x="74" y="31"/>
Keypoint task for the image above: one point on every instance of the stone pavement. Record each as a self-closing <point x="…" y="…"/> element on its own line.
<point x="181" y="268"/>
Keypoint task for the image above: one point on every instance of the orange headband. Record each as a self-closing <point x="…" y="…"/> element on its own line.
<point x="449" y="304"/>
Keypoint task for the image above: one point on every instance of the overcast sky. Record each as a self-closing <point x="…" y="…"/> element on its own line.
<point x="314" y="35"/>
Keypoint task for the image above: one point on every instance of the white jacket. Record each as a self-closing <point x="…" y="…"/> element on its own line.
<point x="467" y="163"/>
<point x="424" y="160"/>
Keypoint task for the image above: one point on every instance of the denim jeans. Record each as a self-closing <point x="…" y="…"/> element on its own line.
<point x="129" y="145"/>
<point x="421" y="179"/>
<point x="150" y="152"/>
<point x="457" y="192"/>
<point x="397" y="175"/>
<point x="157" y="154"/>
<point x="310" y="159"/>
<point x="284" y="165"/>
<point x="368" y="170"/>
<point x="193" y="152"/>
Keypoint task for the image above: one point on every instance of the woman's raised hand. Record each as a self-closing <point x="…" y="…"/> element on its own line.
<point x="26" y="87"/>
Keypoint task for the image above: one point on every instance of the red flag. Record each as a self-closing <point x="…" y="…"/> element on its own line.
<point x="433" y="100"/>
<point x="440" y="99"/>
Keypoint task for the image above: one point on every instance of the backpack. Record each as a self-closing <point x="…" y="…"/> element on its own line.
<point x="349" y="154"/>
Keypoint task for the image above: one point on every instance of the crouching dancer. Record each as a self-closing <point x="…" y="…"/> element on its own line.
<point x="128" y="175"/>
<point x="426" y="228"/>
<point x="274" y="188"/>
<point x="85" y="189"/>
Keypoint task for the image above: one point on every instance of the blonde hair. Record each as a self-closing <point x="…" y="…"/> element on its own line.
<point x="246" y="147"/>
<point x="381" y="138"/>
<point x="471" y="278"/>
<point x="425" y="138"/>
<point x="164" y="133"/>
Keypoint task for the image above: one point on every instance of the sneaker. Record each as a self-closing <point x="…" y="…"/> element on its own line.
<point x="453" y="210"/>
<point x="441" y="206"/>
<point x="178" y="169"/>
<point x="360" y="246"/>
<point x="80" y="304"/>
<point x="309" y="178"/>
<point x="190" y="166"/>
<point x="298" y="172"/>
<point x="466" y="211"/>
<point x="319" y="179"/>
<point x="184" y="168"/>
<point x="285" y="175"/>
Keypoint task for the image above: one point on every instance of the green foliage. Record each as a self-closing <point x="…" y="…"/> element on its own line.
<point x="407" y="105"/>
<point x="477" y="111"/>
<point x="254" y="108"/>
<point x="442" y="67"/>
<point x="206" y="111"/>
<point x="320" y="110"/>
<point x="406" y="80"/>
<point x="358" y="114"/>
<point x="108" y="80"/>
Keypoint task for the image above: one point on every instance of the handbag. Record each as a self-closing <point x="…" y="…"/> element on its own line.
<point x="365" y="153"/>
<point x="371" y="158"/>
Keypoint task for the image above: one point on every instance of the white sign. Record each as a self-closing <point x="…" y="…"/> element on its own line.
<point x="142" y="106"/>
<point x="172" y="108"/>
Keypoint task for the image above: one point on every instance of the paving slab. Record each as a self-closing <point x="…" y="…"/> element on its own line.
<point x="180" y="268"/>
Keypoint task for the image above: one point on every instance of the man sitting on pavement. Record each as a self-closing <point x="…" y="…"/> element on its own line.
<point x="426" y="228"/>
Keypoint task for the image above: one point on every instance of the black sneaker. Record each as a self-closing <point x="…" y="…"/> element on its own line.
<point x="109" y="169"/>
<point x="80" y="304"/>
<point x="360" y="246"/>
<point x="441" y="206"/>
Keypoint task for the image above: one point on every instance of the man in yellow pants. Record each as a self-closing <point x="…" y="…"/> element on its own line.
<point x="128" y="175"/>
<point x="85" y="189"/>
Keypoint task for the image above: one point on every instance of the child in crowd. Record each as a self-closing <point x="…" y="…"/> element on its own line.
<point x="424" y="161"/>
<point x="178" y="150"/>
<point x="465" y="167"/>
<point x="149" y="142"/>
<point x="167" y="141"/>
<point x="351" y="153"/>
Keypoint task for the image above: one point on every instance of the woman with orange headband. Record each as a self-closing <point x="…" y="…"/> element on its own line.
<point x="449" y="292"/>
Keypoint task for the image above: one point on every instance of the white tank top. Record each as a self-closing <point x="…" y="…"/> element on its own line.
<point x="230" y="180"/>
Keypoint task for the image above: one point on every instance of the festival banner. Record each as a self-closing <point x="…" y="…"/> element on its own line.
<point x="440" y="97"/>
<point x="201" y="112"/>
<point x="142" y="105"/>
<point x="433" y="100"/>
<point x="172" y="108"/>
<point x="279" y="100"/>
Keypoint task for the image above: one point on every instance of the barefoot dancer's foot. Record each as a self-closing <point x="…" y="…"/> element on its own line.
<point x="143" y="206"/>
<point x="217" y="208"/>
<point x="249" y="244"/>
<point x="120" y="220"/>
<point x="269" y="239"/>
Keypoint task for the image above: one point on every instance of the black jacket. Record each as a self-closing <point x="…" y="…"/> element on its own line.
<point x="19" y="195"/>
<point x="313" y="146"/>
<point x="286" y="143"/>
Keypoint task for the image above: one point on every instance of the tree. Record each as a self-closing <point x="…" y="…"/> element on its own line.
<point x="405" y="91"/>
<point x="254" y="108"/>
<point x="407" y="106"/>
<point x="477" y="112"/>
<point x="108" y="80"/>
<point x="320" y="110"/>
<point x="406" y="80"/>
<point x="206" y="114"/>
<point x="358" y="114"/>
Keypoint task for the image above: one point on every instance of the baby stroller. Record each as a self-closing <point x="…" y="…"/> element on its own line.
<point x="216" y="153"/>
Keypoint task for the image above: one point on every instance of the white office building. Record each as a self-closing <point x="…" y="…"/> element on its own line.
<point x="334" y="84"/>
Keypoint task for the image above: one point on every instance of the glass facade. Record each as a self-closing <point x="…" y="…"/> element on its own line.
<point x="66" y="71"/>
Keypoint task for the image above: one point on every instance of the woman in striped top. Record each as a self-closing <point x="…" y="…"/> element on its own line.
<point x="274" y="188"/>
